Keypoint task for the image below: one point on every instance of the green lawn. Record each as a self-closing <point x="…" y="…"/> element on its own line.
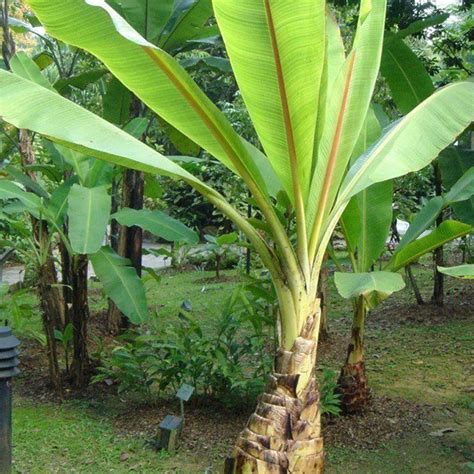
<point x="429" y="364"/>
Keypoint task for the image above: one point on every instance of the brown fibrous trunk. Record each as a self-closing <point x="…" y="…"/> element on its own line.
<point x="80" y="318"/>
<point x="284" y="433"/>
<point x="353" y="384"/>
<point x="48" y="303"/>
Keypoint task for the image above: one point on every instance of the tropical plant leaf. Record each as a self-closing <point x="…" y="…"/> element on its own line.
<point x="347" y="108"/>
<point x="96" y="27"/>
<point x="463" y="189"/>
<point x="79" y="81"/>
<point x="23" y="66"/>
<point x="373" y="286"/>
<point x="22" y="103"/>
<point x="88" y="213"/>
<point x="367" y="218"/>
<point x="121" y="284"/>
<point x="158" y="223"/>
<point x="58" y="204"/>
<point x="420" y="25"/>
<point x="116" y="101"/>
<point x="415" y="140"/>
<point x="423" y="220"/>
<point x="212" y="62"/>
<point x="465" y="272"/>
<point x="279" y="84"/>
<point x="449" y="230"/>
<point x="406" y="75"/>
<point x="9" y="190"/>
<point x="453" y="163"/>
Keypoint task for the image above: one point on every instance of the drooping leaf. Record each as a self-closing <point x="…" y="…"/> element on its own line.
<point x="9" y="190"/>
<point x="88" y="213"/>
<point x="158" y="223"/>
<point x="121" y="283"/>
<point x="153" y="76"/>
<point x="406" y="75"/>
<point x="415" y="140"/>
<point x="453" y="163"/>
<point x="449" y="230"/>
<point x="373" y="286"/>
<point x="465" y="272"/>
<point x="22" y="103"/>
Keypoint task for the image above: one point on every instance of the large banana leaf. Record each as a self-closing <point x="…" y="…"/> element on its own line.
<point x="121" y="283"/>
<point x="367" y="218"/>
<point x="277" y="54"/>
<point x="406" y="75"/>
<point x="465" y="272"/>
<point x="462" y="190"/>
<point x="22" y="65"/>
<point x="449" y="230"/>
<point x="349" y="100"/>
<point x="88" y="212"/>
<point x="22" y="103"/>
<point x="373" y="286"/>
<point x="453" y="163"/>
<point x="415" y="140"/>
<point x="154" y="76"/>
<point x="9" y="190"/>
<point x="158" y="223"/>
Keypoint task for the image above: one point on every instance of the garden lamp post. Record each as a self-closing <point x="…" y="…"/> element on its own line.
<point x="8" y="369"/>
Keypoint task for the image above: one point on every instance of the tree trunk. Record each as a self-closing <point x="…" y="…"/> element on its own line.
<point x="414" y="285"/>
<point x="353" y="383"/>
<point x="438" y="288"/>
<point x="130" y="241"/>
<point x="284" y="433"/>
<point x="80" y="317"/>
<point x="48" y="302"/>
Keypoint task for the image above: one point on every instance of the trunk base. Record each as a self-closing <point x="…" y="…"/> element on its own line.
<point x="284" y="433"/>
<point x="354" y="388"/>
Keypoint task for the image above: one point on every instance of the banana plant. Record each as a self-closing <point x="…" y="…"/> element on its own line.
<point x="366" y="226"/>
<point x="308" y="100"/>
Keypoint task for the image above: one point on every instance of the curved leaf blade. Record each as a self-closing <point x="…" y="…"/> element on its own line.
<point x="121" y="283"/>
<point x="158" y="223"/>
<point x="88" y="213"/>
<point x="415" y="140"/>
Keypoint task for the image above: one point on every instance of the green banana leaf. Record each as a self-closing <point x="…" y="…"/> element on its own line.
<point x="88" y="213"/>
<point x="121" y="284"/>
<point x="158" y="223"/>
<point x="374" y="286"/>
<point x="444" y="233"/>
<point x="415" y="140"/>
<point x="465" y="272"/>
<point x="279" y="83"/>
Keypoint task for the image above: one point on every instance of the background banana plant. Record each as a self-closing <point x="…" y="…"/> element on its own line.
<point x="366" y="227"/>
<point x="308" y="101"/>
